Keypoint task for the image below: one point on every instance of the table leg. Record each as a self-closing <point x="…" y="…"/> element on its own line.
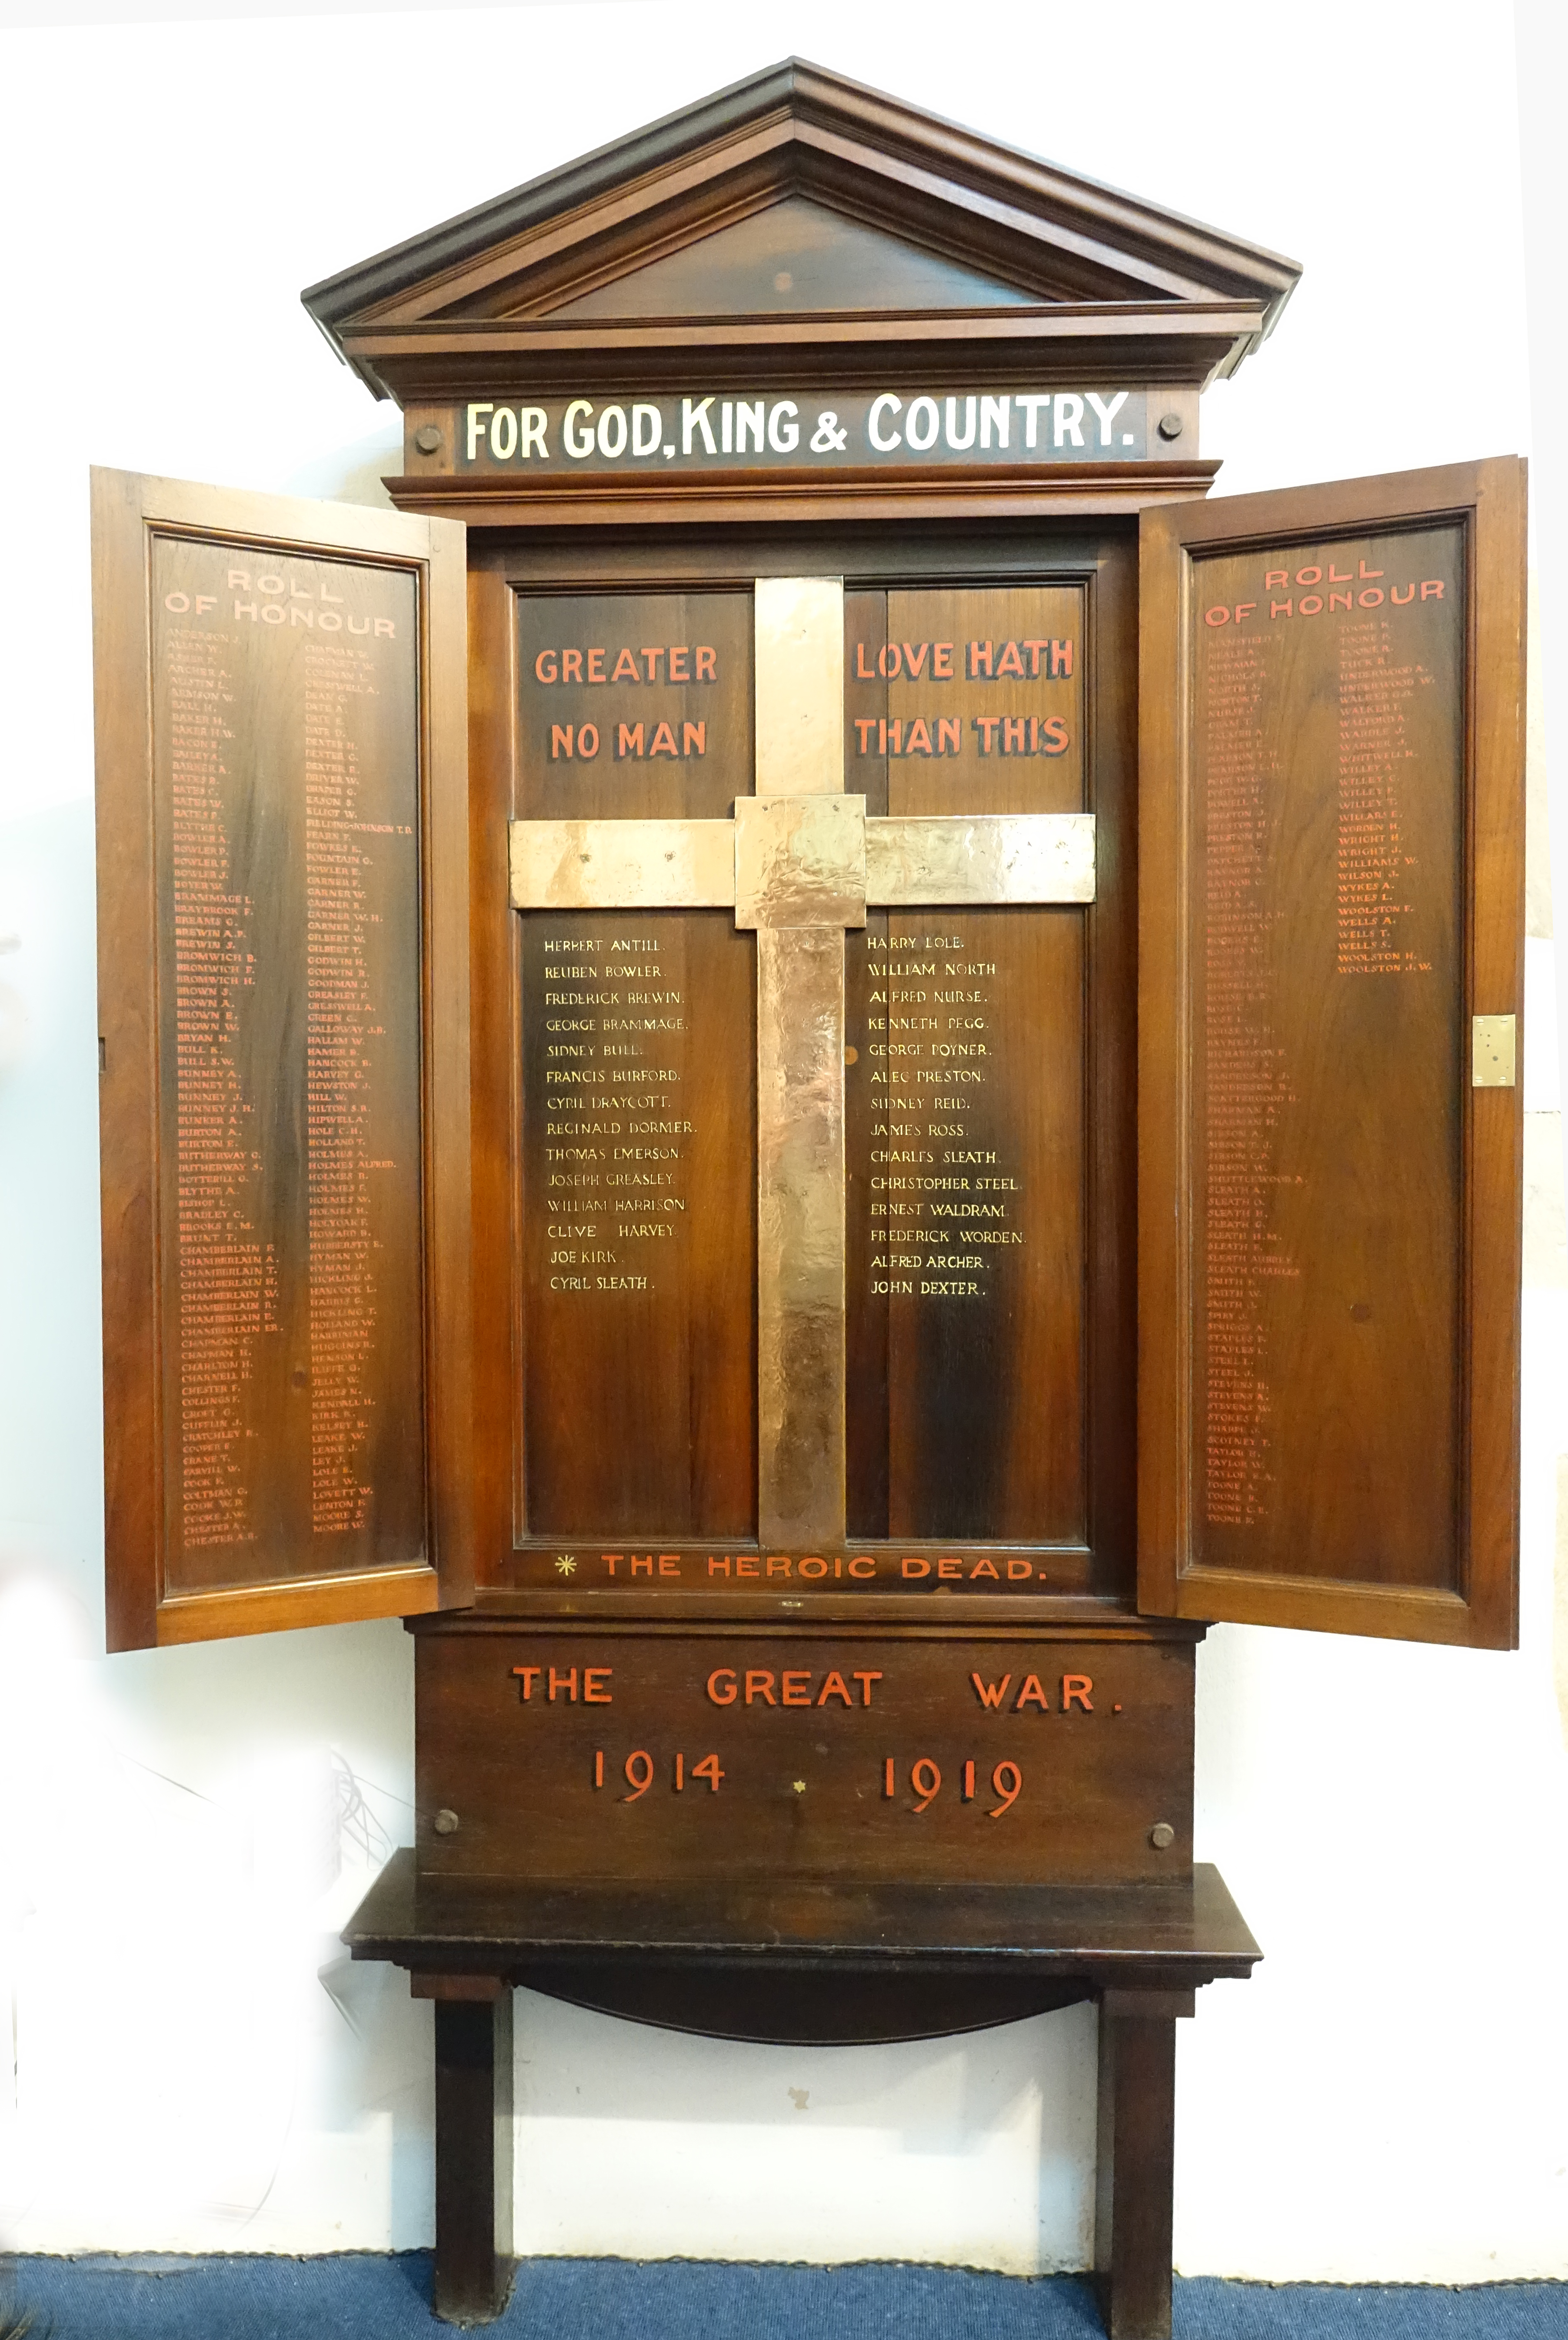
<point x="1134" y="2160"/>
<point x="473" y="2140"/>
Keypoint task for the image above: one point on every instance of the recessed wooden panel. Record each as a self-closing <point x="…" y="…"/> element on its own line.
<point x="636" y="1033"/>
<point x="1328" y="733"/>
<point x="286" y="818"/>
<point x="793" y="255"/>
<point x="1337" y="920"/>
<point x="967" y="1112"/>
<point x="802" y="1752"/>
<point x="273" y="1228"/>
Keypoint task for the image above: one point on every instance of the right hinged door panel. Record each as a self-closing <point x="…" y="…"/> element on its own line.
<point x="1332" y="852"/>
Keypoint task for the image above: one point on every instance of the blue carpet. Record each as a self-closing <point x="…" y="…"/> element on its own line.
<point x="364" y="2297"/>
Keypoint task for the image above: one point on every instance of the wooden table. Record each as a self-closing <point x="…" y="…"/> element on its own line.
<point x="808" y="1963"/>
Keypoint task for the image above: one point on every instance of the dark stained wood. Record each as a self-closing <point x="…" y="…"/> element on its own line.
<point x="286" y="836"/>
<point x="1171" y="1936"/>
<point x="996" y="999"/>
<point x="486" y="292"/>
<point x="1134" y="2159"/>
<point x="1082" y="1543"/>
<point x="795" y="257"/>
<point x="812" y="1961"/>
<point x="474" y="2132"/>
<point x="1333" y="810"/>
<point x="637" y="1316"/>
<point x="227" y="1511"/>
<point x="838" y="500"/>
<point x="646" y="1752"/>
<point x="782" y="2005"/>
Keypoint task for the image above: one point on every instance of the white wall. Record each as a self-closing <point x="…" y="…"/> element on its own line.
<point x="181" y="1833"/>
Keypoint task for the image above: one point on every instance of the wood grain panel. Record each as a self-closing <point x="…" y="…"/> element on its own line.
<point x="637" y="1037"/>
<point x="657" y="1754"/>
<point x="974" y="1174"/>
<point x="284" y="1051"/>
<point x="1345" y="670"/>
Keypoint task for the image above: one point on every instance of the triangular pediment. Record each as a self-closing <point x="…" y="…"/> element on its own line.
<point x="794" y="257"/>
<point x="796" y="194"/>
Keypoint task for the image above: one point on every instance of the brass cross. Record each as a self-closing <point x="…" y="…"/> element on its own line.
<point x="801" y="862"/>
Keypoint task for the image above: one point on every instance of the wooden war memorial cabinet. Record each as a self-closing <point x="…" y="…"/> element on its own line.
<point x="926" y="1105"/>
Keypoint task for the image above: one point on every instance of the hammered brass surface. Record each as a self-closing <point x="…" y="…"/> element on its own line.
<point x="622" y="864"/>
<point x="799" y="685"/>
<point x="988" y="858"/>
<point x="800" y="1366"/>
<point x="801" y="861"/>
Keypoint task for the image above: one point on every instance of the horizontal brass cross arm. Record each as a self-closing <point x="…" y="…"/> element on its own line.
<point x="771" y="862"/>
<point x="801" y="862"/>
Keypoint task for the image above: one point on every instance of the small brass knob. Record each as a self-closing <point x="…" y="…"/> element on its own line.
<point x="445" y="1823"/>
<point x="427" y="438"/>
<point x="1161" y="1836"/>
<point x="1171" y="425"/>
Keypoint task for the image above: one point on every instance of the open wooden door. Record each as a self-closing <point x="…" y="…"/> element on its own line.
<point x="1331" y="884"/>
<point x="282" y="951"/>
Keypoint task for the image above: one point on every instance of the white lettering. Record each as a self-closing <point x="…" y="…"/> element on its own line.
<point x="694" y="417"/>
<point x="1108" y="411"/>
<point x="783" y="437"/>
<point x="886" y="404"/>
<point x="476" y="415"/>
<point x="954" y="441"/>
<point x="612" y="432"/>
<point x="1069" y="418"/>
<point x="504" y="434"/>
<point x="994" y="412"/>
<point x="534" y="420"/>
<point x="1034" y="403"/>
<point x="576" y="443"/>
<point x="924" y="423"/>
<point x="647" y="430"/>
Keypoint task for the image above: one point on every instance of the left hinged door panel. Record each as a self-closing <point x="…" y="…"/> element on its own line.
<point x="283" y="973"/>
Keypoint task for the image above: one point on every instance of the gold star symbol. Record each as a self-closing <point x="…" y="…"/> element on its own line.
<point x="565" y="1563"/>
<point x="799" y="1787"/>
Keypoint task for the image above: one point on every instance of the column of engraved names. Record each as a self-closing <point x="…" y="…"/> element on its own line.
<point x="1247" y="1080"/>
<point x="1372" y="864"/>
<point x="339" y="1024"/>
<point x="615" y="1138"/>
<point x="942" y="1204"/>
<point x="227" y="1279"/>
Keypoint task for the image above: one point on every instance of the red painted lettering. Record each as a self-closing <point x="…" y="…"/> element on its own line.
<point x="991" y="1694"/>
